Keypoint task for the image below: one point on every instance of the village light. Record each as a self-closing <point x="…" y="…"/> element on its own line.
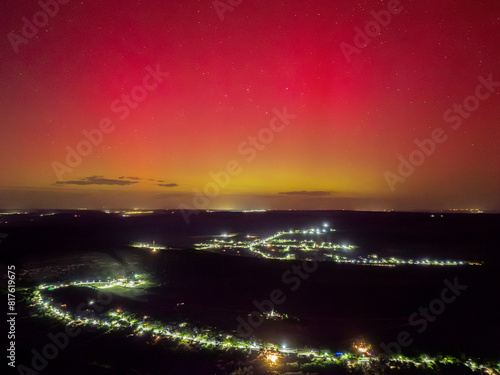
<point x="272" y="358"/>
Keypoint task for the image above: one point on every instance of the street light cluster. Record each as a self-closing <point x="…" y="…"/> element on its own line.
<point x="302" y="244"/>
<point x="118" y="319"/>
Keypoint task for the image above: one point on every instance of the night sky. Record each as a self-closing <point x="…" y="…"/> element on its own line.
<point x="301" y="104"/>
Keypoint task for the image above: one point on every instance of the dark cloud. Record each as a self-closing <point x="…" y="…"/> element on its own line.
<point x="97" y="180"/>
<point x="307" y="193"/>
<point x="135" y="178"/>
<point x="168" y="185"/>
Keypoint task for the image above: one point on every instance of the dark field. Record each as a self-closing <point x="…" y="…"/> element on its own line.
<point x="333" y="306"/>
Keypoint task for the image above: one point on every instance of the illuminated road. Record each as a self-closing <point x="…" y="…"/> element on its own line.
<point x="117" y="320"/>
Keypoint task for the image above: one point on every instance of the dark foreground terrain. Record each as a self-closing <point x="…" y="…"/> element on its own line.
<point x="331" y="308"/>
